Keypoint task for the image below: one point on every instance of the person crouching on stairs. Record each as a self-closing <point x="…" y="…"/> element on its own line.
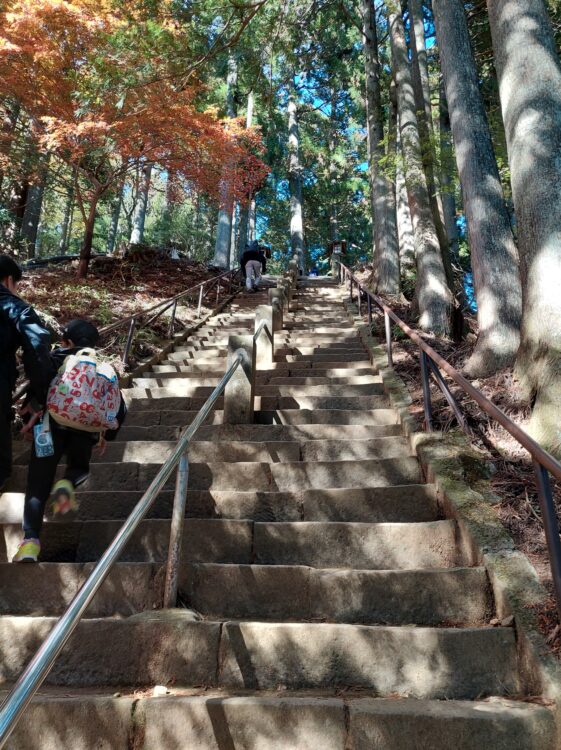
<point x="253" y="263"/>
<point x="75" y="355"/>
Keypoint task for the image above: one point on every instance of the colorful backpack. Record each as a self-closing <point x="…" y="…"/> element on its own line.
<point x="85" y="394"/>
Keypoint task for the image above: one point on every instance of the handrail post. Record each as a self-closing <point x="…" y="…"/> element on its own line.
<point x="128" y="344"/>
<point x="176" y="533"/>
<point x="369" y="308"/>
<point x="239" y="394"/>
<point x="217" y="292"/>
<point x="388" y="327"/>
<point x="264" y="342"/>
<point x="172" y="322"/>
<point x="426" y="391"/>
<point x="359" y="300"/>
<point x="351" y="287"/>
<point x="551" y="527"/>
<point x="199" y="308"/>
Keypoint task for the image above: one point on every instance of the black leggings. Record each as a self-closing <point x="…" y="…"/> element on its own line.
<point x="77" y="446"/>
<point x="5" y="444"/>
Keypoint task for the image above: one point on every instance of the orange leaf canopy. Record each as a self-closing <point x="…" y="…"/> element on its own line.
<point x="99" y="103"/>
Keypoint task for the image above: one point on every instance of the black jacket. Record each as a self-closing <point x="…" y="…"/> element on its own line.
<point x="20" y="326"/>
<point x="251" y="254"/>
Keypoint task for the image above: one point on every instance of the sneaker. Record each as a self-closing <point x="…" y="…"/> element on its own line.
<point x="28" y="551"/>
<point x="63" y="498"/>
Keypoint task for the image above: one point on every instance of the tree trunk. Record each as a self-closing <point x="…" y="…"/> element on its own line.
<point x="224" y="226"/>
<point x="244" y="211"/>
<point x="404" y="224"/>
<point x="433" y="295"/>
<point x="447" y="171"/>
<point x="86" y="250"/>
<point x="386" y="249"/>
<point x="529" y="74"/>
<point x="139" y="220"/>
<point x="493" y="252"/>
<point x="297" y="242"/>
<point x="115" y="216"/>
<point x="31" y="218"/>
<point x="421" y="88"/>
<point x="251" y="220"/>
<point x="65" y="226"/>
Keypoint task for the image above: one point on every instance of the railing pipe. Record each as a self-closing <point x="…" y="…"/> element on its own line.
<point x="551" y="528"/>
<point x="200" y="305"/>
<point x="426" y="390"/>
<point x="128" y="344"/>
<point x="388" y="327"/>
<point x="41" y="664"/>
<point x="172" y="321"/>
<point x="176" y="533"/>
<point x="448" y="395"/>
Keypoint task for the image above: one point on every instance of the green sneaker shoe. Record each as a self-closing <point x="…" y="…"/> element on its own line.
<point x="63" y="498"/>
<point x="28" y="551"/>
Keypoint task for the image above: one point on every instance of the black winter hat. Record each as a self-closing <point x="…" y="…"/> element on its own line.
<point x="81" y="333"/>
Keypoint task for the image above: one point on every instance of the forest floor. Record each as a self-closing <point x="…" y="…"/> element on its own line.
<point x="513" y="482"/>
<point x="115" y="289"/>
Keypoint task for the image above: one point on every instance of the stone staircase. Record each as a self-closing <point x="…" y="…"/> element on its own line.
<point x="325" y="604"/>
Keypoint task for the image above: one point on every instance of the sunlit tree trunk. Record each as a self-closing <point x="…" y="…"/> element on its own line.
<point x="87" y="244"/>
<point x="447" y="172"/>
<point x="386" y="249"/>
<point x="493" y="252"/>
<point x="433" y="296"/>
<point x="139" y="220"/>
<point x="404" y="224"/>
<point x="529" y="75"/>
<point x="224" y="226"/>
<point x="297" y="242"/>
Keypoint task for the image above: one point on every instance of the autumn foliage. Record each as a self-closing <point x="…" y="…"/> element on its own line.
<point x="104" y="106"/>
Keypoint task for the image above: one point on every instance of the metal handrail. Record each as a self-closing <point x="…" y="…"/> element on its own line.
<point x="41" y="664"/>
<point x="433" y="363"/>
<point x="260" y="328"/>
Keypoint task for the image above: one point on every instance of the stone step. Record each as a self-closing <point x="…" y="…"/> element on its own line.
<point x="361" y="546"/>
<point x="379" y="417"/>
<point x="273" y="592"/>
<point x="413" y="503"/>
<point x="352" y="358"/>
<point x="319" y="380"/>
<point x="262" y="432"/>
<point x="284" y="451"/>
<point x="215" y="720"/>
<point x="157" y="648"/>
<point x="318" y="403"/>
<point x="350" y="351"/>
<point x="258" y="592"/>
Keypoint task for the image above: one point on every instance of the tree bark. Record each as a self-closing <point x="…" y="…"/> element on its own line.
<point x="493" y="251"/>
<point x="115" y="216"/>
<point x="224" y="227"/>
<point x="87" y="244"/>
<point x="421" y="88"/>
<point x="433" y="295"/>
<point x="244" y="211"/>
<point x="66" y="220"/>
<point x="139" y="220"/>
<point x="529" y="74"/>
<point x="447" y="171"/>
<point x="405" y="235"/>
<point x="297" y="242"/>
<point x="31" y="217"/>
<point x="386" y="249"/>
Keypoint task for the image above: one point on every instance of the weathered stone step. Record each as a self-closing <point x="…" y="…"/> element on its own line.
<point x="277" y="592"/>
<point x="411" y="503"/>
<point x="369" y="546"/>
<point x="263" y="432"/>
<point x="185" y="388"/>
<point x="352" y="358"/>
<point x="326" y="381"/>
<point x="265" y="721"/>
<point x="379" y="417"/>
<point x="258" y="592"/>
<point x="318" y="403"/>
<point x="161" y="647"/>
<point x="373" y="388"/>
<point x="350" y="351"/>
<point x="284" y="451"/>
<point x="46" y="589"/>
<point x="366" y="546"/>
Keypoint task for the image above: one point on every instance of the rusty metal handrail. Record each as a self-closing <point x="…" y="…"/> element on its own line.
<point x="432" y="362"/>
